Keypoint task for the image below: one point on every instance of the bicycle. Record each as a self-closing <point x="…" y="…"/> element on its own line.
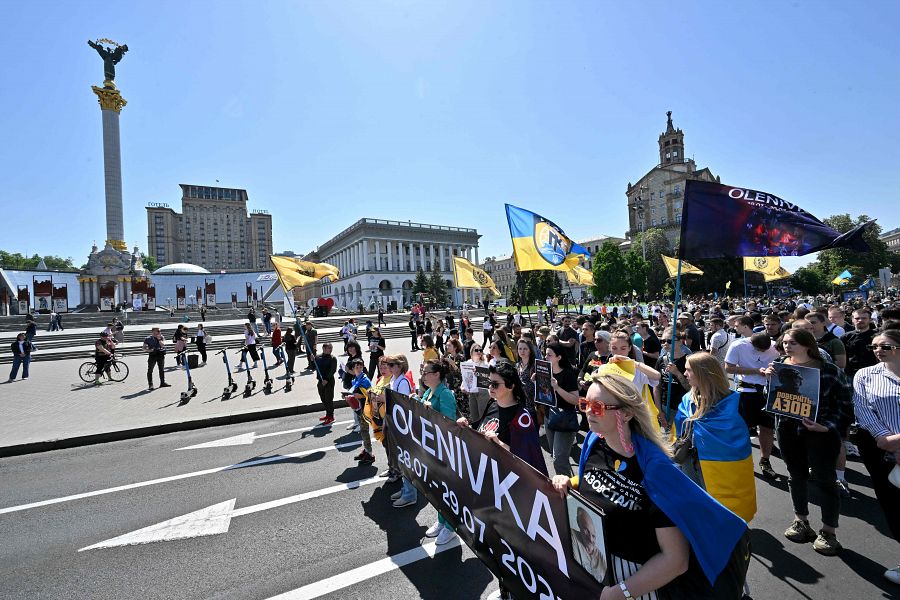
<point x="115" y="370"/>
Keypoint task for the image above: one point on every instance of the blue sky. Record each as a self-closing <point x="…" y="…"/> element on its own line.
<point x="440" y="112"/>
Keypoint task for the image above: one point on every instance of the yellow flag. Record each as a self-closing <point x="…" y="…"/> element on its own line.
<point x="467" y="275"/>
<point x="762" y="264"/>
<point x="293" y="272"/>
<point x="686" y="267"/>
<point x="780" y="274"/>
<point x="580" y="276"/>
<point x="728" y="285"/>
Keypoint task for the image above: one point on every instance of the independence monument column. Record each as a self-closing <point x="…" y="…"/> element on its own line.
<point x="111" y="103"/>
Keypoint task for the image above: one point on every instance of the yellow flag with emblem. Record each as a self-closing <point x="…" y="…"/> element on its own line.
<point x="467" y="275"/>
<point x="780" y="274"/>
<point x="686" y="267"/>
<point x="580" y="276"/>
<point x="293" y="272"/>
<point x="767" y="265"/>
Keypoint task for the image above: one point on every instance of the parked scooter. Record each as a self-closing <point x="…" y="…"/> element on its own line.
<point x="191" y="388"/>
<point x="267" y="381"/>
<point x="232" y="387"/>
<point x="251" y="383"/>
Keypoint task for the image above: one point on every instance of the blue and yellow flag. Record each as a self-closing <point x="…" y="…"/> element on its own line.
<point x="539" y="244"/>
<point x="723" y="448"/>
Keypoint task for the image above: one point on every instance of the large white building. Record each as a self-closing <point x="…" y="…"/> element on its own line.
<point x="378" y="260"/>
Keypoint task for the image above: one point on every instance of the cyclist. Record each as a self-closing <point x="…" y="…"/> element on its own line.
<point x="103" y="351"/>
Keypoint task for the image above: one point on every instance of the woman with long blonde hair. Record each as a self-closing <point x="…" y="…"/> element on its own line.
<point x="655" y="516"/>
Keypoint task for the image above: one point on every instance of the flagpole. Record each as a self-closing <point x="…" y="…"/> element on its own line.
<point x="672" y="345"/>
<point x="745" y="285"/>
<point x="293" y="306"/>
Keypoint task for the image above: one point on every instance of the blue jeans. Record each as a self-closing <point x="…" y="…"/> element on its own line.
<point x="408" y="491"/>
<point x="268" y="325"/>
<point x="279" y="353"/>
<point x="20" y="360"/>
<point x="561" y="443"/>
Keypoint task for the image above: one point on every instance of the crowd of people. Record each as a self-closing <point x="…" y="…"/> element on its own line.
<point x="642" y="381"/>
<point x="621" y="389"/>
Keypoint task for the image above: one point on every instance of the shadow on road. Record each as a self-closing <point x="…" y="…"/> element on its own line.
<point x="869" y="570"/>
<point x="143" y="392"/>
<point x="781" y="562"/>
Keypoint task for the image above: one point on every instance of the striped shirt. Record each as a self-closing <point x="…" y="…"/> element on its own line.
<point x="876" y="399"/>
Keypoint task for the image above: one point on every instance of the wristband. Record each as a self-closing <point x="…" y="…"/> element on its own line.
<point x="625" y="591"/>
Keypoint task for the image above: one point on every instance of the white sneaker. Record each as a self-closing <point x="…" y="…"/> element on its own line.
<point x="852" y="450"/>
<point x="355" y="429"/>
<point x="445" y="536"/>
<point x="893" y="575"/>
<point x="434" y="530"/>
<point x="350" y="427"/>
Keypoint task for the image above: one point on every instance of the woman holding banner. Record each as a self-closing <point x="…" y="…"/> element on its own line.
<point x="562" y="422"/>
<point x="439" y="397"/>
<point x="813" y="445"/>
<point x="657" y="520"/>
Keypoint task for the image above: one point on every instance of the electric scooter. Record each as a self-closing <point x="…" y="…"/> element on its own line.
<point x="289" y="377"/>
<point x="251" y="383"/>
<point x="232" y="386"/>
<point x="267" y="381"/>
<point x="191" y="388"/>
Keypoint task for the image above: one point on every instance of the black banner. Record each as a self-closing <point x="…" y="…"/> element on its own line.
<point x="726" y="221"/>
<point x="503" y="509"/>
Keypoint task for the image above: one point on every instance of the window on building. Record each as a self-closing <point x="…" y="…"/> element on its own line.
<point x="677" y="189"/>
<point x="675" y="153"/>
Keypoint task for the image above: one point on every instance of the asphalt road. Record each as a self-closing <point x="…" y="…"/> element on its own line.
<point x="321" y="540"/>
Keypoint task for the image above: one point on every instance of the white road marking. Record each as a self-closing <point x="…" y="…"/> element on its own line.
<point x="140" y="484"/>
<point x="248" y="438"/>
<point x="354" y="576"/>
<point x="216" y="519"/>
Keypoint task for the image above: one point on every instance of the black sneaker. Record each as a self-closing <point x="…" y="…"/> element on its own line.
<point x="164" y="384"/>
<point x="766" y="469"/>
<point x="367" y="459"/>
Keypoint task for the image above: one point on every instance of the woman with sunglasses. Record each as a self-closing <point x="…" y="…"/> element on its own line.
<point x="808" y="445"/>
<point x="877" y="401"/>
<point x="510" y="425"/>
<point x="441" y="399"/>
<point x="652" y="510"/>
<point x="562" y="422"/>
<point x="525" y="368"/>
<point x="671" y="370"/>
<point x="478" y="398"/>
<point x="400" y="383"/>
<point x="374" y="409"/>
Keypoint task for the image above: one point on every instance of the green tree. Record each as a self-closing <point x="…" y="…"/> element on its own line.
<point x="609" y="272"/>
<point x="636" y="269"/>
<point x="150" y="262"/>
<point x="655" y="244"/>
<point x="860" y="264"/>
<point x="437" y="287"/>
<point x="15" y="260"/>
<point x="810" y="279"/>
<point x="420" y="285"/>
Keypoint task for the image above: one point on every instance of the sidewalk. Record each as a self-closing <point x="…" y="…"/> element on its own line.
<point x="54" y="409"/>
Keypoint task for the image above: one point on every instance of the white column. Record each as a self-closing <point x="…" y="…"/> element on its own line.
<point x="434" y="259"/>
<point x="351" y="257"/>
<point x="412" y="257"/>
<point x="365" y="255"/>
<point x="390" y="254"/>
<point x="422" y="255"/>
<point x="441" y="252"/>
<point x="400" y="256"/>
<point x="476" y="255"/>
<point x="377" y="255"/>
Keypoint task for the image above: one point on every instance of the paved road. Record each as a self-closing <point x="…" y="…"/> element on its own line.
<point x="290" y="531"/>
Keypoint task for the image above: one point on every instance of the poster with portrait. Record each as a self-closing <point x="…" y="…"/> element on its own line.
<point x="794" y="392"/>
<point x="587" y="534"/>
<point x="482" y="377"/>
<point x="543" y="388"/>
<point x="467" y="373"/>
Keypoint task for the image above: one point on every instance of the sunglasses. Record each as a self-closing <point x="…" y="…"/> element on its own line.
<point x="494" y="384"/>
<point x="392" y="364"/>
<point x="477" y="351"/>
<point x="882" y="347"/>
<point x="429" y="372"/>
<point x="598" y="408"/>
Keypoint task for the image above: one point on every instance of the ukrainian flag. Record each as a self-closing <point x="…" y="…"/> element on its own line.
<point x="540" y="244"/>
<point x="723" y="448"/>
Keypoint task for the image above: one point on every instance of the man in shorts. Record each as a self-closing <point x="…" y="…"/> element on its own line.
<point x="747" y="357"/>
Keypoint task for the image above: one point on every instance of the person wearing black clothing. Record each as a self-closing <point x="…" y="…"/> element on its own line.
<point x="674" y="370"/>
<point x="21" y="351"/>
<point x="562" y="422"/>
<point x="200" y="339"/>
<point x="30" y="328"/>
<point x="587" y="343"/>
<point x="289" y="341"/>
<point x="413" y="335"/>
<point x="686" y="321"/>
<point x="652" y="345"/>
<point x="568" y="337"/>
<point x="179" y="338"/>
<point x="310" y="335"/>
<point x="203" y="313"/>
<point x="381" y="320"/>
<point x="468" y="343"/>
<point x="326" y="367"/>
<point x="856" y="342"/>
<point x="448" y="319"/>
<point x="377" y="346"/>
<point x="103" y="349"/>
<point x="155" y="346"/>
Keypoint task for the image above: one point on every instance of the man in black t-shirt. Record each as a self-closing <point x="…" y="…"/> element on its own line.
<point x="568" y="337"/>
<point x="652" y="345"/>
<point x="855" y="342"/>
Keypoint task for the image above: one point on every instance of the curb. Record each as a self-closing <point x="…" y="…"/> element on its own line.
<point x="139" y="432"/>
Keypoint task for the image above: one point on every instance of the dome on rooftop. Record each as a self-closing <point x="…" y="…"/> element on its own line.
<point x="182" y="268"/>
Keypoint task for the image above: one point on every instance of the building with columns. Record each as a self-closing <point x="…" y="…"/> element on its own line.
<point x="378" y="260"/>
<point x="656" y="199"/>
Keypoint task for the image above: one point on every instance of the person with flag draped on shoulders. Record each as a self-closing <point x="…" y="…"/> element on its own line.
<point x="666" y="537"/>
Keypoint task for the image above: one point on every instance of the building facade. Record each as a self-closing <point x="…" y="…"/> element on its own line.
<point x="655" y="201"/>
<point x="502" y="270"/>
<point x="214" y="230"/>
<point x="378" y="260"/>
<point x="892" y="239"/>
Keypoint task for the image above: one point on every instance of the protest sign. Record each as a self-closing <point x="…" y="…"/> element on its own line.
<point x="794" y="392"/>
<point x="482" y="377"/>
<point x="508" y="513"/>
<point x="543" y="390"/>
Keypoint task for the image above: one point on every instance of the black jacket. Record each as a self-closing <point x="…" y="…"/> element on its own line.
<point x="26" y="346"/>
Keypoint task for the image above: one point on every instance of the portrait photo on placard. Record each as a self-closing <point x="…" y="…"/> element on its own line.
<point x="588" y="542"/>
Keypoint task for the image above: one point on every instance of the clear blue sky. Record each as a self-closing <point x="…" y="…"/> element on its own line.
<point x="440" y="112"/>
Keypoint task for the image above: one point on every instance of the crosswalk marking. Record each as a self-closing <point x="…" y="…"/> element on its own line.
<point x="248" y="438"/>
<point x="140" y="484"/>
<point x="359" y="574"/>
